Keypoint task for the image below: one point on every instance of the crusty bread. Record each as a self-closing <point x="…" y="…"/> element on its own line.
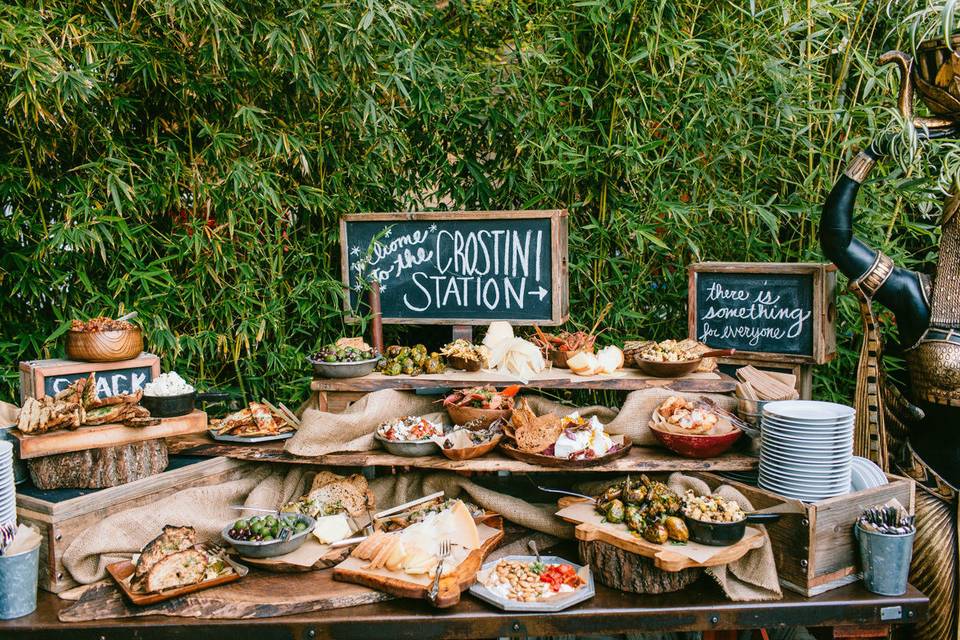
<point x="351" y="492"/>
<point x="176" y="570"/>
<point x="172" y="540"/>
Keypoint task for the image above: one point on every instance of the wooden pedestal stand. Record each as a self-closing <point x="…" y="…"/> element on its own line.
<point x="626" y="571"/>
<point x="99" y="468"/>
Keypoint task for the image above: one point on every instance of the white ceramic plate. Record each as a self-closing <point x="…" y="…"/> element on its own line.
<point x="807" y="451"/>
<point x="809" y="410"/>
<point x="815" y="469"/>
<point x="804" y="427"/>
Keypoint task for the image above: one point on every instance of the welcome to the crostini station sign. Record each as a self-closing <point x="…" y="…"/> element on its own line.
<point x="467" y="267"/>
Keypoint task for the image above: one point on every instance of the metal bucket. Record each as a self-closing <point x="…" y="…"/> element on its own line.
<point x="18" y="583"/>
<point x="885" y="560"/>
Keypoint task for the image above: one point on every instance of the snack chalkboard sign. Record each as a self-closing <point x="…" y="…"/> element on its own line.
<point x="469" y="267"/>
<point x="771" y="311"/>
<point x="48" y="377"/>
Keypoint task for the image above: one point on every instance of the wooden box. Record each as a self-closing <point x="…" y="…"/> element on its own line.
<point x="62" y="515"/>
<point x="47" y="377"/>
<point x="814" y="547"/>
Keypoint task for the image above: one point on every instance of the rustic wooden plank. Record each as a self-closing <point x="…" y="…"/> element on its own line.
<point x="633" y="380"/>
<point x="258" y="595"/>
<point x="105" y="435"/>
<point x="640" y="459"/>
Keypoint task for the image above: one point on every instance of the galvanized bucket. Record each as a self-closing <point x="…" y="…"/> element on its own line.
<point x="885" y="560"/>
<point x="18" y="583"/>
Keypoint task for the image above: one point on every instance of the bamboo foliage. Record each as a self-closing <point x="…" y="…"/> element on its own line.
<point x="189" y="159"/>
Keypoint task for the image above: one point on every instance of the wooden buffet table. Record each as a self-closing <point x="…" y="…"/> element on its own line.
<point x="848" y="610"/>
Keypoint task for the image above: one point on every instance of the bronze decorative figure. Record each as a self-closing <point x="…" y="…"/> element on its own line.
<point x="916" y="432"/>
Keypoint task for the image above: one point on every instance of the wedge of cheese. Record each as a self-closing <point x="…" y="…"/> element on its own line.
<point x="331" y="529"/>
<point x="457" y="525"/>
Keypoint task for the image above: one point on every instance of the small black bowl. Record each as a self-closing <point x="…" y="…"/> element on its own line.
<point x="724" y="534"/>
<point x="181" y="405"/>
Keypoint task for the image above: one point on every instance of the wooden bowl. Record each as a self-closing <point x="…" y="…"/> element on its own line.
<point x="469" y="453"/>
<point x="680" y="368"/>
<point x="456" y="362"/>
<point x="484" y="417"/>
<point x="560" y="358"/>
<point x="697" y="446"/>
<point x="104" y="346"/>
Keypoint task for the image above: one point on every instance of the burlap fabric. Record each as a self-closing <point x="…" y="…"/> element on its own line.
<point x="8" y="414"/>
<point x="322" y="433"/>
<point x="752" y="577"/>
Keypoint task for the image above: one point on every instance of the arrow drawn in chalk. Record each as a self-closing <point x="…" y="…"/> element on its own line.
<point x="541" y="292"/>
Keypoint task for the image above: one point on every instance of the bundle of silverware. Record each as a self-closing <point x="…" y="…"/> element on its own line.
<point x="891" y="521"/>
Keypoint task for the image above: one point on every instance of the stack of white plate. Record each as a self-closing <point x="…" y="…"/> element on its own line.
<point x="806" y="449"/>
<point x="864" y="474"/>
<point x="8" y="496"/>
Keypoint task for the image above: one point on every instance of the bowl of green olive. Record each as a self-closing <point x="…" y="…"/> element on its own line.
<point x="268" y="536"/>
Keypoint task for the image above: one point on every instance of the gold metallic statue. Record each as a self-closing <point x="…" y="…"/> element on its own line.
<point x="916" y="433"/>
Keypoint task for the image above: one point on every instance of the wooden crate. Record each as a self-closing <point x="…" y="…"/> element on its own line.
<point x="815" y="549"/>
<point x="46" y="377"/>
<point x="62" y="515"/>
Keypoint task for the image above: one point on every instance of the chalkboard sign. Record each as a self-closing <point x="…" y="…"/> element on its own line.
<point x="48" y="377"/>
<point x="468" y="267"/>
<point x="771" y="310"/>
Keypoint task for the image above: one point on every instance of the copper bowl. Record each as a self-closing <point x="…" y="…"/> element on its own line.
<point x="483" y="417"/>
<point x="456" y="362"/>
<point x="104" y="346"/>
<point x="469" y="453"/>
<point x="697" y="446"/>
<point x="560" y="358"/>
<point x="680" y="368"/>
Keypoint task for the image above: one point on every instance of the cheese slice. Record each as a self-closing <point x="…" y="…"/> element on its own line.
<point x="457" y="525"/>
<point x="332" y="528"/>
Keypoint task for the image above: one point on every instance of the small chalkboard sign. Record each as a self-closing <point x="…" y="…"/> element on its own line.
<point x="48" y="377"/>
<point x="766" y="311"/>
<point x="468" y="267"/>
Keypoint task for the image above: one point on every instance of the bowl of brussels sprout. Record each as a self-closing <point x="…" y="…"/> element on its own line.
<point x="269" y="535"/>
<point x="339" y="361"/>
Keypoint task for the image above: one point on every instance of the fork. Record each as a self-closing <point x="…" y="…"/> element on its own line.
<point x="445" y="549"/>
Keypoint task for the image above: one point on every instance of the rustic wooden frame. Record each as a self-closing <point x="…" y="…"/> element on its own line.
<point x="34" y="372"/>
<point x="824" y="307"/>
<point x="559" y="267"/>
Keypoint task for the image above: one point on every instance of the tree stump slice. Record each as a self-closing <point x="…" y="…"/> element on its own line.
<point x="99" y="468"/>
<point x="625" y="571"/>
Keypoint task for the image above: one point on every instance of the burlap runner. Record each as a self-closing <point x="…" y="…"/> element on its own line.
<point x="752" y="577"/>
<point x="322" y="433"/>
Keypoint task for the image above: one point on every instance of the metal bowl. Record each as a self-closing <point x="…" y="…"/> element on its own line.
<point x="270" y="548"/>
<point x="409" y="449"/>
<point x="344" y="369"/>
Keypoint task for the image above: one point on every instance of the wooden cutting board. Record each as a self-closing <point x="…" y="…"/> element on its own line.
<point x="668" y="557"/>
<point x="402" y="585"/>
<point x="106" y="435"/>
<point x="257" y="595"/>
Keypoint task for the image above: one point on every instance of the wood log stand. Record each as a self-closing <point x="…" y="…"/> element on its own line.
<point x="625" y="571"/>
<point x="99" y="468"/>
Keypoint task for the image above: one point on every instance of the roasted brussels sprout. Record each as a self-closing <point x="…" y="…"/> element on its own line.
<point x="634" y="493"/>
<point x="655" y="533"/>
<point x="614" y="511"/>
<point x="676" y="529"/>
<point x="633" y="517"/>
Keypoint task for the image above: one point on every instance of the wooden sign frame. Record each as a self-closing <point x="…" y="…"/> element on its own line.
<point x="34" y="372"/>
<point x="559" y="262"/>
<point x="824" y="311"/>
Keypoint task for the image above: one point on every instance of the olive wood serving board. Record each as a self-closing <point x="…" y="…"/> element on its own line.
<point x="258" y="595"/>
<point x="668" y="556"/>
<point x="542" y="460"/>
<point x="105" y="435"/>
<point x="452" y="584"/>
<point x="122" y="571"/>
